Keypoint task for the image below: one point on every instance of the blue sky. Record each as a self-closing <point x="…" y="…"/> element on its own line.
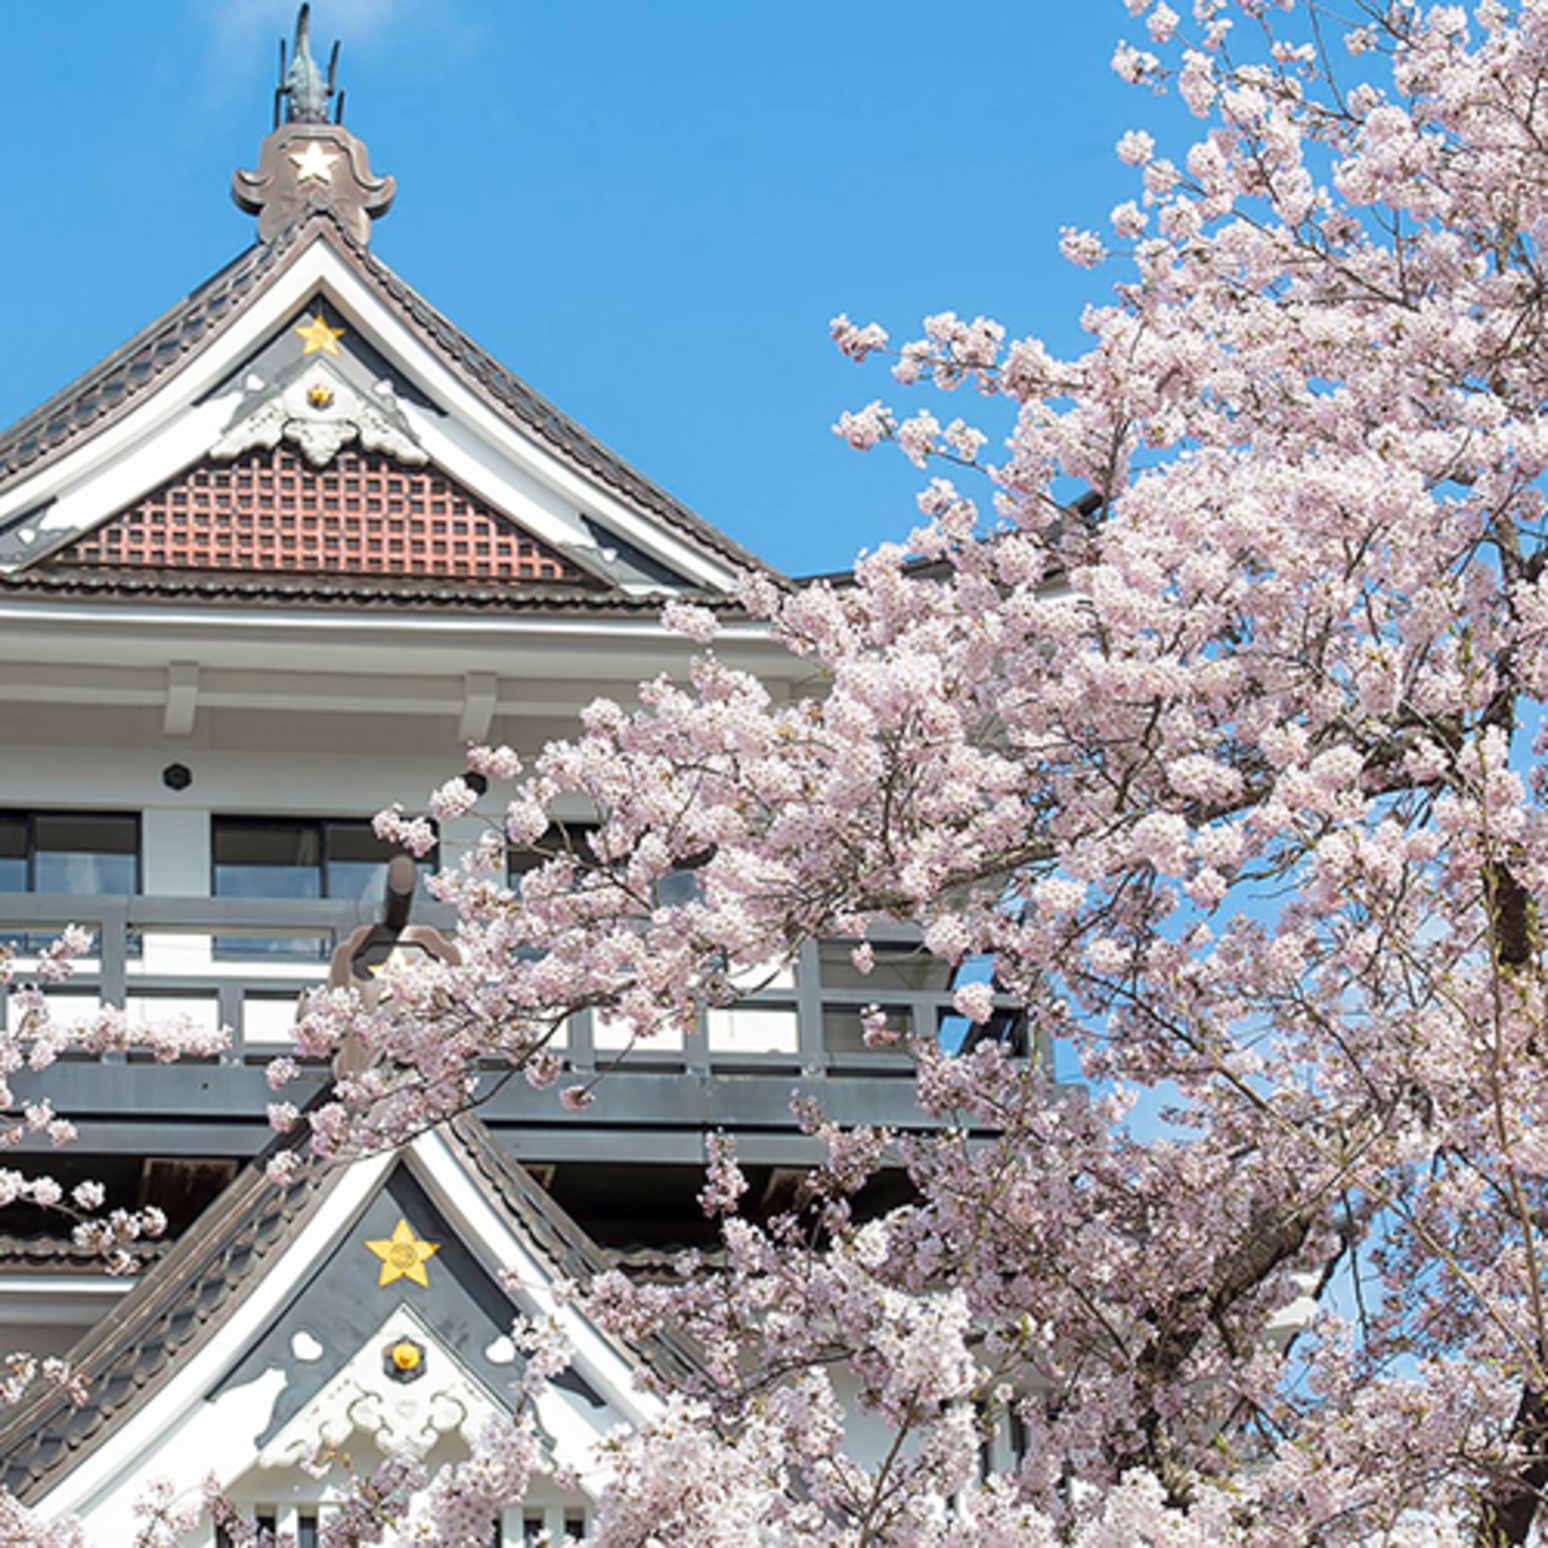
<point x="648" y="208"/>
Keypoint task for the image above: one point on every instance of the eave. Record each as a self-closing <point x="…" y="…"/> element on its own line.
<point x="154" y="408"/>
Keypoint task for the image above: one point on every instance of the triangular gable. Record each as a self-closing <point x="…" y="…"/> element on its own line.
<point x="312" y="346"/>
<point x="368" y="1301"/>
<point x="363" y="513"/>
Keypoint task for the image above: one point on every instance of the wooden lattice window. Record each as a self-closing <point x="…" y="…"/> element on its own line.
<point x="362" y="514"/>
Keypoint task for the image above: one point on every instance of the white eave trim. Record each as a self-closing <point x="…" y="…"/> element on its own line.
<point x="114" y="1473"/>
<point x="494" y="457"/>
<point x="119" y="1464"/>
<point x="505" y="1253"/>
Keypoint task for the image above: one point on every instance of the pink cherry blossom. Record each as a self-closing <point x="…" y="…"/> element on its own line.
<point x="1203" y="731"/>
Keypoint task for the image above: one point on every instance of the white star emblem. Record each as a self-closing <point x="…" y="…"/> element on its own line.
<point x="314" y="164"/>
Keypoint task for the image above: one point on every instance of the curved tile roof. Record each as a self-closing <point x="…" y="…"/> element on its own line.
<point x="98" y="396"/>
<point x="174" y="1310"/>
<point x="183" y="1300"/>
<point x="103" y="393"/>
<point x="318" y="592"/>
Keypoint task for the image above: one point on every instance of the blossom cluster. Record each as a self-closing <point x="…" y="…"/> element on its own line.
<point x="1204" y="753"/>
<point x="1223" y="781"/>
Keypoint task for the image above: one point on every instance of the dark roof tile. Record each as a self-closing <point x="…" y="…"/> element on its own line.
<point x="180" y="1303"/>
<point x="107" y="389"/>
<point x="328" y="592"/>
<point x="177" y="1306"/>
<point x="88" y="403"/>
<point x="59" y="1255"/>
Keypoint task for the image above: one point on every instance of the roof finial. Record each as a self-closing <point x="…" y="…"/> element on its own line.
<point x="302" y="85"/>
<point x="308" y="163"/>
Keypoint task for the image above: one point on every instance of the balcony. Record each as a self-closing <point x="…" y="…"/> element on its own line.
<point x="243" y="963"/>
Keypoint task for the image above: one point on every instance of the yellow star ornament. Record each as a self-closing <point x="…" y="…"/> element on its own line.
<point x="404" y="1256"/>
<point x="317" y="335"/>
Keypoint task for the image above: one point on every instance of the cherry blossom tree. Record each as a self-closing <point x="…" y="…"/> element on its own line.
<point x="1209" y="714"/>
<point x="33" y="1040"/>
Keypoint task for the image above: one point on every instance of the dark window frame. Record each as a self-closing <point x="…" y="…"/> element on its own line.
<point x="236" y="947"/>
<point x="320" y="828"/>
<point x="31" y="816"/>
<point x="564" y="837"/>
<point x="560" y="837"/>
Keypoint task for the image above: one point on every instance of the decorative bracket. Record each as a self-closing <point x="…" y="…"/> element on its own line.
<point x="182" y="698"/>
<point x="402" y="1418"/>
<point x="320" y="412"/>
<point x="481" y="697"/>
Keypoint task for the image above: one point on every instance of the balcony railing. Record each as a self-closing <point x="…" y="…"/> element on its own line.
<point x="243" y="964"/>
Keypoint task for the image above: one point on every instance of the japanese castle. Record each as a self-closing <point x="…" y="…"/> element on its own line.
<point x="266" y="569"/>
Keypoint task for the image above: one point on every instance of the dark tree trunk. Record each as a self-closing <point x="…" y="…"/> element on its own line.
<point x="1510" y="1505"/>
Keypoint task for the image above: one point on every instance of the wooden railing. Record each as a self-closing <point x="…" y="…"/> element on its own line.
<point x="243" y="964"/>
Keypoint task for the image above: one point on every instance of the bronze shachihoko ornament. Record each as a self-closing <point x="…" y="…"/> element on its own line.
<point x="309" y="162"/>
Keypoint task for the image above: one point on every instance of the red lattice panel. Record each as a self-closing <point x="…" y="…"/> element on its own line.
<point x="363" y="514"/>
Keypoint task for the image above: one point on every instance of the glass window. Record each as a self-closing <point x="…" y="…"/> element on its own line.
<point x="562" y="838"/>
<point x="298" y="857"/>
<point x="678" y="886"/>
<point x="259" y="857"/>
<point x="356" y="860"/>
<point x="13" y="852"/>
<point x="82" y="853"/>
<point x="85" y="852"/>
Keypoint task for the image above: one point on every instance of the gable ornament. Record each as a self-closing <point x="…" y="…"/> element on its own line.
<point x="320" y="411"/>
<point x="377" y="1396"/>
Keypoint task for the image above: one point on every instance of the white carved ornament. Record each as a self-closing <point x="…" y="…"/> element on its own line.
<point x="320" y="412"/>
<point x="402" y="1418"/>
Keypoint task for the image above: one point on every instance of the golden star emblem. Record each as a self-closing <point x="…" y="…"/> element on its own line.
<point x="314" y="164"/>
<point x="404" y="1256"/>
<point x="317" y="335"/>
